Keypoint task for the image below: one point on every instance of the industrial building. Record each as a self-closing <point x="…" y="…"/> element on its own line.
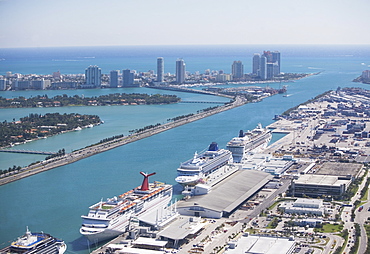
<point x="225" y="197"/>
<point x="319" y="186"/>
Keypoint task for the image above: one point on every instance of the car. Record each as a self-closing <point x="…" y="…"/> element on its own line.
<point x="368" y="209"/>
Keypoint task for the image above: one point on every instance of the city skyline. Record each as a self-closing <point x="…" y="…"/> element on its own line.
<point x="43" y="23"/>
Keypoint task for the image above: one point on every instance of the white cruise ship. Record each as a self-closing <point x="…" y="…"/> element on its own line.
<point x="111" y="218"/>
<point x="249" y="142"/>
<point x="196" y="169"/>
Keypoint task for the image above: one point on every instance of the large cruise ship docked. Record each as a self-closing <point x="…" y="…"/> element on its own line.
<point x="33" y="243"/>
<point x="248" y="142"/>
<point x="108" y="219"/>
<point x="201" y="165"/>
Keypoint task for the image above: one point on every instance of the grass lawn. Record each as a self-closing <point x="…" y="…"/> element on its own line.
<point x="364" y="198"/>
<point x="329" y="228"/>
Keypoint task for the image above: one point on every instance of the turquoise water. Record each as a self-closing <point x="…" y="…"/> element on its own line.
<point x="53" y="201"/>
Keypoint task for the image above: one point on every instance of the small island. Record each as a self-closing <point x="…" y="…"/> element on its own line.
<point x="37" y="126"/>
<point x="76" y="100"/>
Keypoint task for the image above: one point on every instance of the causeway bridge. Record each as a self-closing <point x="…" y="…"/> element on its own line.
<point x="213" y="102"/>
<point x="26" y="151"/>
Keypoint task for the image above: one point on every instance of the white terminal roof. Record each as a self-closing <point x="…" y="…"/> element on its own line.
<point x="262" y="245"/>
<point x="231" y="192"/>
<point x="182" y="227"/>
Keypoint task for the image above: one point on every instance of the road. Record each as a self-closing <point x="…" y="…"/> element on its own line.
<point x="360" y="218"/>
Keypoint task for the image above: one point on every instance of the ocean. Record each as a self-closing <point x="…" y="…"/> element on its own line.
<point x="53" y="201"/>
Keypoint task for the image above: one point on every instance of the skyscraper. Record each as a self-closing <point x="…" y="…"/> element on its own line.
<point x="113" y="79"/>
<point x="180" y="71"/>
<point x="93" y="77"/>
<point x="2" y="84"/>
<point x="263" y="68"/>
<point x="276" y="59"/>
<point x="160" y="69"/>
<point x="237" y="70"/>
<point x="127" y="78"/>
<point x="256" y="64"/>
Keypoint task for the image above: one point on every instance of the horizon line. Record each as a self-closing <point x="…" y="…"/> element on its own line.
<point x="188" y="45"/>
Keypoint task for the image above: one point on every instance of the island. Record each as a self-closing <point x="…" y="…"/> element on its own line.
<point x="37" y="126"/>
<point x="76" y="100"/>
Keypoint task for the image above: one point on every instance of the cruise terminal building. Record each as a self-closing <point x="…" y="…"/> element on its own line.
<point x="225" y="197"/>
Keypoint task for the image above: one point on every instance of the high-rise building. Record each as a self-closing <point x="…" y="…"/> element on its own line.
<point x="256" y="64"/>
<point x="237" y="70"/>
<point x="127" y="78"/>
<point x="268" y="56"/>
<point x="22" y="84"/>
<point x="270" y="71"/>
<point x="40" y="84"/>
<point x="160" y="69"/>
<point x="180" y="71"/>
<point x="93" y="77"/>
<point x="2" y="84"/>
<point x="276" y="59"/>
<point x="113" y="78"/>
<point x="263" y="68"/>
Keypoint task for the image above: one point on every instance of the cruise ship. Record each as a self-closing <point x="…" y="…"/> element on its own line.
<point x="108" y="219"/>
<point x="195" y="170"/>
<point x="32" y="243"/>
<point x="249" y="142"/>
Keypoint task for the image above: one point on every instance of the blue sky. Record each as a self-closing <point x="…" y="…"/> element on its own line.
<point x="51" y="23"/>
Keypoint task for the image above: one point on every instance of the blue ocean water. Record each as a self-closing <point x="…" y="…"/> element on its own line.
<point x="53" y="201"/>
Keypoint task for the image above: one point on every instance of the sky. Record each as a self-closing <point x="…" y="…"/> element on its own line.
<point x="60" y="23"/>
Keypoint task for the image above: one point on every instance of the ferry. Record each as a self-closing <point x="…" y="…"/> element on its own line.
<point x="195" y="170"/>
<point x="32" y="243"/>
<point x="112" y="217"/>
<point x="249" y="142"/>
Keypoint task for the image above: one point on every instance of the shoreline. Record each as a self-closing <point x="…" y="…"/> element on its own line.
<point x="99" y="148"/>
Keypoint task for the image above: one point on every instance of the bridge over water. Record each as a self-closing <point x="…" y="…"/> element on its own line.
<point x="213" y="102"/>
<point x="26" y="151"/>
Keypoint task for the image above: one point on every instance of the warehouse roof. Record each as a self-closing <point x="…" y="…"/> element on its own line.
<point x="231" y="192"/>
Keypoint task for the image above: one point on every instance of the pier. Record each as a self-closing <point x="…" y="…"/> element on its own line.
<point x="26" y="151"/>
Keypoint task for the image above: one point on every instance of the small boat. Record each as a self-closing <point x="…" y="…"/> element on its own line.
<point x="32" y="243"/>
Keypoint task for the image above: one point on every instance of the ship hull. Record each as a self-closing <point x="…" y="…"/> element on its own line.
<point x="107" y="234"/>
<point x="97" y="230"/>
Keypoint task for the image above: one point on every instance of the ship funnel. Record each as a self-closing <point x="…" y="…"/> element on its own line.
<point x="145" y="184"/>
<point x="241" y="133"/>
<point x="213" y="147"/>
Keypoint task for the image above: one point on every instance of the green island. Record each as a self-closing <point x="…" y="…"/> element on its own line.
<point x="76" y="100"/>
<point x="37" y="126"/>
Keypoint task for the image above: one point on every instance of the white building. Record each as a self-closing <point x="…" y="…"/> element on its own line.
<point x="93" y="77"/>
<point x="304" y="206"/>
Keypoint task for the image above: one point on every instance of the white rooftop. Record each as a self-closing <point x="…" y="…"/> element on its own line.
<point x="320" y="180"/>
<point x="262" y="245"/>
